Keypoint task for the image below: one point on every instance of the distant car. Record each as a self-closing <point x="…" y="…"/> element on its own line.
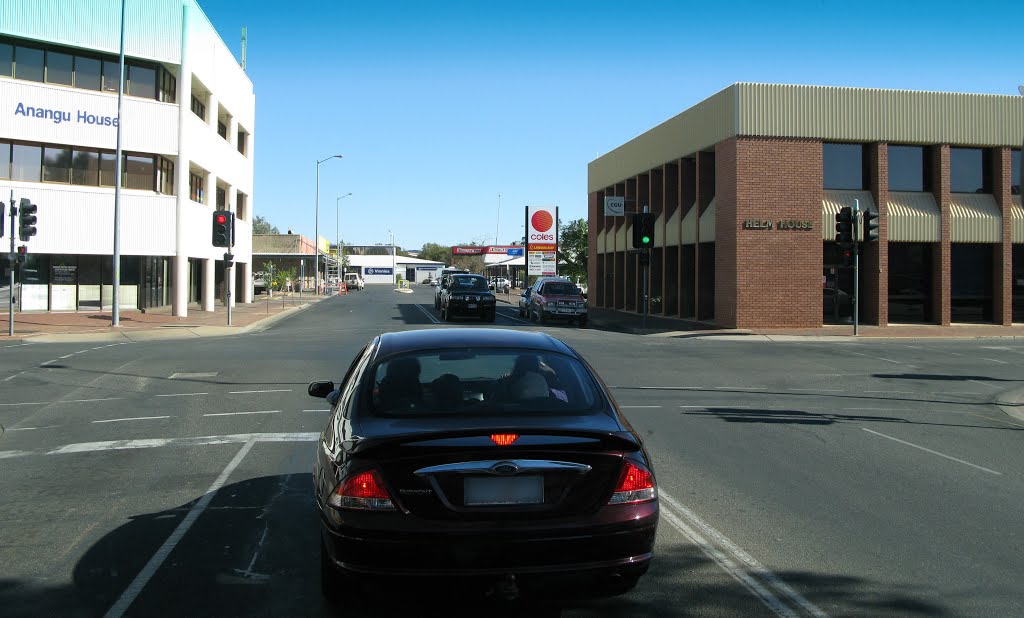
<point x="354" y="281"/>
<point x="557" y="299"/>
<point x="500" y="284"/>
<point x="467" y="295"/>
<point x="463" y="452"/>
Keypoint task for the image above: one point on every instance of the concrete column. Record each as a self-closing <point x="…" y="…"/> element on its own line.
<point x="875" y="261"/>
<point x="943" y="250"/>
<point x="212" y="112"/>
<point x="594" y="285"/>
<point x="1002" y="259"/>
<point x="179" y="270"/>
<point x="233" y="132"/>
<point x="209" y="292"/>
<point x="246" y="275"/>
<point x="211" y="190"/>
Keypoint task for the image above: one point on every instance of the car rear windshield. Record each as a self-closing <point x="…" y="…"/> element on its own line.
<point x="473" y="382"/>
<point x="566" y="289"/>
<point x="469" y="284"/>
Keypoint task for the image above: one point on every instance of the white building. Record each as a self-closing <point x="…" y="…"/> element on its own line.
<point x="377" y="264"/>
<point x="187" y="135"/>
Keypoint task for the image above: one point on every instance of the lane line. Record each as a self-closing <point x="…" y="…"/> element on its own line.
<point x="742" y="556"/>
<point x="983" y="383"/>
<point x="662" y="388"/>
<point x="723" y="405"/>
<point x="23" y="429"/>
<point x="183" y="395"/>
<point x="740" y="388"/>
<point x="26" y="403"/>
<point x="514" y="318"/>
<point x="277" y="390"/>
<point x="896" y="392"/>
<point x="429" y="315"/>
<point x="9" y="378"/>
<point x="132" y="592"/>
<point x="87" y="400"/>
<point x="67" y="356"/>
<point x="16" y="345"/>
<point x="240" y="438"/>
<point x="316" y="410"/>
<point x="928" y="450"/>
<point x="994" y="360"/>
<point x="134" y="418"/>
<point x="817" y="390"/>
<point x="242" y="413"/>
<point x="634" y="407"/>
<point x="877" y="409"/>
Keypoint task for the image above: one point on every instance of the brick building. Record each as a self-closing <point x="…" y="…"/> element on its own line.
<point x="746" y="184"/>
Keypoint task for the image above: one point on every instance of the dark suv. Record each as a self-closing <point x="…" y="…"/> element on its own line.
<point x="558" y="299"/>
<point x="467" y="295"/>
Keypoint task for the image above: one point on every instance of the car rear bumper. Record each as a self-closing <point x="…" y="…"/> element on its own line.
<point x="626" y="550"/>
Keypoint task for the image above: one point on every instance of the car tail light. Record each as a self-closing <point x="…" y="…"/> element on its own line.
<point x="504" y="439"/>
<point x="636" y="484"/>
<point x="363" y="490"/>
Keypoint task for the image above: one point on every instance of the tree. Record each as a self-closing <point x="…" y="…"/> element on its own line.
<point x="435" y="253"/>
<point x="262" y="226"/>
<point x="572" y="249"/>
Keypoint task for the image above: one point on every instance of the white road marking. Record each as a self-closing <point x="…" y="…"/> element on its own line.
<point x="876" y="409"/>
<point x="26" y="403"/>
<point x="429" y="315"/>
<point x="278" y="390"/>
<point x="87" y="400"/>
<point x="242" y="413"/>
<point x="23" y="429"/>
<point x="67" y="356"/>
<point x="662" y="388"/>
<point x="183" y="395"/>
<point x="9" y="378"/>
<point x="12" y="454"/>
<point x="47" y="363"/>
<point x="16" y="345"/>
<point x="897" y="392"/>
<point x="134" y="418"/>
<point x="816" y="390"/>
<point x="179" y="375"/>
<point x="983" y="383"/>
<point x="625" y="407"/>
<point x="740" y="388"/>
<point x="722" y="405"/>
<point x="515" y="318"/>
<point x="994" y="360"/>
<point x="140" y="581"/>
<point x="316" y="410"/>
<point x="755" y="568"/>
<point x="928" y="450"/>
<point x="118" y="445"/>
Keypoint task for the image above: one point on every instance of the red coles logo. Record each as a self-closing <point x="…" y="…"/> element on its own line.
<point x="541" y="221"/>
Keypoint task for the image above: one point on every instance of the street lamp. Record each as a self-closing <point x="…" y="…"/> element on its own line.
<point x="316" y="227"/>
<point x="337" y="218"/>
<point x="393" y="274"/>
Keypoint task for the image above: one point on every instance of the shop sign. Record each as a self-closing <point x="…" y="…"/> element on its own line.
<point x="58" y="116"/>
<point x="64" y="275"/>
<point x="377" y="271"/>
<point x="781" y="224"/>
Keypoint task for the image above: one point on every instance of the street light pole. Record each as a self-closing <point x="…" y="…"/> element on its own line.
<point x="337" y="219"/>
<point x="498" y="221"/>
<point x="316" y="227"/>
<point x="394" y="276"/>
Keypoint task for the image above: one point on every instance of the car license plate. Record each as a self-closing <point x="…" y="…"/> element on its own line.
<point x="471" y="306"/>
<point x="482" y="491"/>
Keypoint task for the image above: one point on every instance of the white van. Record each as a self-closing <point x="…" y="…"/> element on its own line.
<point x="354" y="281"/>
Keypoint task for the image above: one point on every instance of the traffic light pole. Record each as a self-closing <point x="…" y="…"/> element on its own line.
<point x="10" y="266"/>
<point x="228" y="260"/>
<point x="856" y="265"/>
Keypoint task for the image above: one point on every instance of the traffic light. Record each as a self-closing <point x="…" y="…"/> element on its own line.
<point x="870" y="226"/>
<point x="223" y="225"/>
<point x="848" y="258"/>
<point x="26" y="220"/>
<point x="643" y="230"/>
<point x="229" y="259"/>
<point x="844" y="225"/>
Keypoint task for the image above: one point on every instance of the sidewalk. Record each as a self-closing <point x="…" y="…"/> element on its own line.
<point x="153" y="324"/>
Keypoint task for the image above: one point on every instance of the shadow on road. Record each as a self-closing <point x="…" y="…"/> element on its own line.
<point x="940" y="377"/>
<point x="253" y="552"/>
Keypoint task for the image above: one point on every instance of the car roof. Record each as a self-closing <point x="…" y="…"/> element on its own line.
<point x="441" y="338"/>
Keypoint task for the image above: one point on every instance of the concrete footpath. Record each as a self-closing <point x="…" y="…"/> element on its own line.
<point x="153" y="324"/>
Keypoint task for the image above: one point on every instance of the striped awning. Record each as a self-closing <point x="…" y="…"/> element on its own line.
<point x="975" y="217"/>
<point x="913" y="217"/>
<point x="833" y="201"/>
<point x="690" y="227"/>
<point x="706" y="224"/>
<point x="1017" y="215"/>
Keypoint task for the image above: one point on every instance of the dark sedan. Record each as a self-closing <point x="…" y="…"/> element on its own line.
<point x="468" y="295"/>
<point x="493" y="454"/>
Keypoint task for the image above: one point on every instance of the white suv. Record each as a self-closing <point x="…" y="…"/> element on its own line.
<point x="354" y="281"/>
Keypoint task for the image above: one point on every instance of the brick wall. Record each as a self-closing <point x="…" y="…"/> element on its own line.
<point x="875" y="259"/>
<point x="942" y="250"/>
<point x="768" y="278"/>
<point x="1002" y="254"/>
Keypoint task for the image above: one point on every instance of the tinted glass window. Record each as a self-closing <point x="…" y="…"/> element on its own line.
<point x="138" y="172"/>
<point x="222" y="129"/>
<point x="907" y="169"/>
<point x="28" y="63"/>
<point x="56" y="164"/>
<point x="967" y="170"/>
<point x="26" y="163"/>
<point x="241" y="141"/>
<point x="481" y="382"/>
<point x="843" y="166"/>
<point x="85" y="168"/>
<point x="142" y="82"/>
<point x="59" y="68"/>
<point x="108" y="161"/>
<point x="6" y="60"/>
<point x="469" y="284"/>
<point x="88" y="73"/>
<point x="5" y="160"/>
<point x="111" y="76"/>
<point x="560" y="288"/>
<point x="1015" y="166"/>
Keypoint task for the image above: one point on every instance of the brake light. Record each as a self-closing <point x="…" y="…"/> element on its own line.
<point x="365" y="491"/>
<point x="636" y="484"/>
<point x="504" y="439"/>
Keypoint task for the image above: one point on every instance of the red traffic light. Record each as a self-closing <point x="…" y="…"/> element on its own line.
<point x="222" y="219"/>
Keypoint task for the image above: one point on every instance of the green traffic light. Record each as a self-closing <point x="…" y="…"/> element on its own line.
<point x="646" y="240"/>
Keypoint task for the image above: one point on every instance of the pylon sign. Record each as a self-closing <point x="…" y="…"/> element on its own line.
<point x="542" y="240"/>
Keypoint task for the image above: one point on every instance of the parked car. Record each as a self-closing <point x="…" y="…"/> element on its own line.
<point x="500" y="284"/>
<point x="354" y="281"/>
<point x="557" y="299"/>
<point x="459" y="452"/>
<point x="467" y="295"/>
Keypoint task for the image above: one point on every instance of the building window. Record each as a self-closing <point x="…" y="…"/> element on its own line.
<point x="28" y="63"/>
<point x="59" y="68"/>
<point x="26" y="162"/>
<point x="968" y="171"/>
<point x="195" y="188"/>
<point x="222" y="129"/>
<point x="88" y="73"/>
<point x="222" y="199"/>
<point x="85" y="168"/>
<point x="198" y="108"/>
<point x="111" y="75"/>
<point x="5" y="160"/>
<point x="241" y="141"/>
<point x="108" y="161"/>
<point x="141" y="82"/>
<point x="909" y="169"/>
<point x="1015" y="166"/>
<point x="6" y="60"/>
<point x="165" y="176"/>
<point x="56" y="164"/>
<point x="168" y="86"/>
<point x="139" y="172"/>
<point x="240" y="206"/>
<point x="844" y="166"/>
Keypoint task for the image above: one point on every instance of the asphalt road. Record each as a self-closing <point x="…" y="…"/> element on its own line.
<point x="804" y="478"/>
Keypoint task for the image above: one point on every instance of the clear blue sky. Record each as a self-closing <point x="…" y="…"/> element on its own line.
<point x="439" y="107"/>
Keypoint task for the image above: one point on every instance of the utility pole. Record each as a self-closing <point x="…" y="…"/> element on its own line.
<point x="11" y="258"/>
<point x="856" y="265"/>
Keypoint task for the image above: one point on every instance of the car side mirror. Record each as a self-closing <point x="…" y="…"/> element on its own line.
<point x="320" y="389"/>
